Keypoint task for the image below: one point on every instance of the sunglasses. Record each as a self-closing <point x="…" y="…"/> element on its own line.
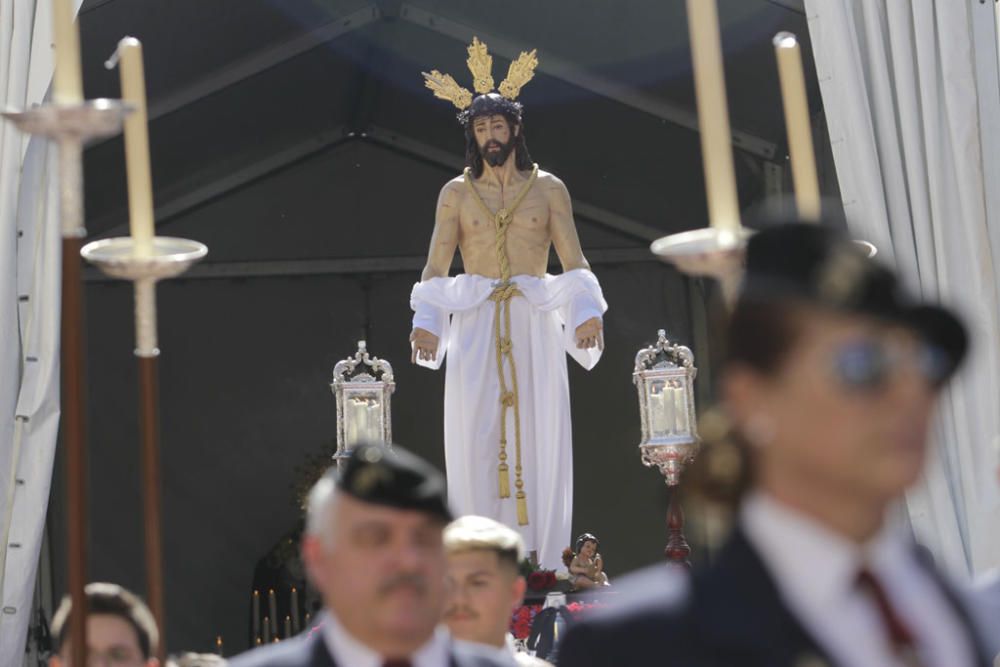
<point x="868" y="364"/>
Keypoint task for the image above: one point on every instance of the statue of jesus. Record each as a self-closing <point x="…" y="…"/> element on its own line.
<point x="505" y="323"/>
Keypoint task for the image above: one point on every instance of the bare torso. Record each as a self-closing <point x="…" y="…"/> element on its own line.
<point x="542" y="220"/>
<point x="529" y="236"/>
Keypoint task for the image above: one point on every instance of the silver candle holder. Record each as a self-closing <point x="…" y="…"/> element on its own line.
<point x="712" y="252"/>
<point x="71" y="126"/>
<point x="168" y="257"/>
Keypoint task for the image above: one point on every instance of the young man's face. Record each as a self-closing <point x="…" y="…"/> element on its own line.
<point x="111" y="642"/>
<point x="482" y="593"/>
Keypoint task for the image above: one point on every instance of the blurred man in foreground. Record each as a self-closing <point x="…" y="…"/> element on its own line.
<point x="372" y="547"/>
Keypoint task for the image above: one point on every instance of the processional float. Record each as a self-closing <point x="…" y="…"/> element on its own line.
<point x="71" y="121"/>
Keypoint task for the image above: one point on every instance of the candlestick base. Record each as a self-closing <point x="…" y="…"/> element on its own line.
<point x="91" y="119"/>
<point x="707" y="252"/>
<point x="118" y="258"/>
<point x="669" y="458"/>
<point x="704" y="252"/>
<point x="868" y="248"/>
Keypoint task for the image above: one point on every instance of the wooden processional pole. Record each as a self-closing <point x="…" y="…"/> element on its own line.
<point x="144" y="259"/>
<point x="70" y="121"/>
<point x="68" y="91"/>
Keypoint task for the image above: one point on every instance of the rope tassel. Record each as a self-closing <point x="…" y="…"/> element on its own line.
<point x="522" y="509"/>
<point x="502" y="295"/>
<point x="504" y="481"/>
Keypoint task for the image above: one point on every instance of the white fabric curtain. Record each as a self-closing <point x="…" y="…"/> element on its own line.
<point x="29" y="317"/>
<point x="912" y="112"/>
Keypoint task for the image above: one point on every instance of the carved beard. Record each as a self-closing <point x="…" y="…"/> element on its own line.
<point x="497" y="158"/>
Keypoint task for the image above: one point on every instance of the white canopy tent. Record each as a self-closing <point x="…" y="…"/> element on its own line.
<point x="912" y="99"/>
<point x="29" y="317"/>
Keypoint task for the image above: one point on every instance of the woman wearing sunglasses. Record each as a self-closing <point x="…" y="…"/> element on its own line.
<point x="828" y="388"/>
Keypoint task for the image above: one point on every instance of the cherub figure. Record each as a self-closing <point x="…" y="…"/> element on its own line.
<point x="586" y="567"/>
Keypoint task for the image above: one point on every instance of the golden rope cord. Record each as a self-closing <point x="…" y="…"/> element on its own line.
<point x="501" y="296"/>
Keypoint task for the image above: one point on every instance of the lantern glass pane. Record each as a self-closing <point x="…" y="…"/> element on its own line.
<point x="679" y="390"/>
<point x="362" y="416"/>
<point x="662" y="403"/>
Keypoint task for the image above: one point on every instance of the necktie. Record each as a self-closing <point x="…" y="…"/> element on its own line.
<point x="899" y="635"/>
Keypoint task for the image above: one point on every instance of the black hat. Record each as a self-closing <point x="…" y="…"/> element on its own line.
<point x="395" y="478"/>
<point x="819" y="266"/>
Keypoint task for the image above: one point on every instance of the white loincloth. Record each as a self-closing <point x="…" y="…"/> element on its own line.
<point x="543" y="324"/>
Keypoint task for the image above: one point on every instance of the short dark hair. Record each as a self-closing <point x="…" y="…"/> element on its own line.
<point x="587" y="537"/>
<point x="111" y="600"/>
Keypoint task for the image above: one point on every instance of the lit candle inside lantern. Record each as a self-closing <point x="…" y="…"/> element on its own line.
<point x="800" y="141"/>
<point x="140" y="182"/>
<point x="296" y="626"/>
<point x="68" y="84"/>
<point x="256" y="614"/>
<point x="267" y="630"/>
<point x="272" y="608"/>
<point x="680" y="409"/>
<point x="218" y="645"/>
<point x="288" y="627"/>
<point x="713" y="115"/>
<point x="308" y="616"/>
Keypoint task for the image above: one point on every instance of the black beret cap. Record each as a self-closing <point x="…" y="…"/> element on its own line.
<point x="819" y="266"/>
<point x="394" y="478"/>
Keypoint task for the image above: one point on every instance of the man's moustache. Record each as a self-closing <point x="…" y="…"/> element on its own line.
<point x="460" y="611"/>
<point x="415" y="581"/>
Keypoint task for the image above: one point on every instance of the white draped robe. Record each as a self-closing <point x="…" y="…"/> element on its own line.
<point x="543" y="325"/>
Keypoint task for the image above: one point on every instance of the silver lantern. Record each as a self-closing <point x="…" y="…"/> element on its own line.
<point x="664" y="377"/>
<point x="363" y="387"/>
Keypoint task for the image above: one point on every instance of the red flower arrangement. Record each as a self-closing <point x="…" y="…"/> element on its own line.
<point x="541" y="580"/>
<point x="520" y="622"/>
<point x="524" y="616"/>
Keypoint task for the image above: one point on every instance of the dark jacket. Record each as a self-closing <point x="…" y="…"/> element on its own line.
<point x="733" y="615"/>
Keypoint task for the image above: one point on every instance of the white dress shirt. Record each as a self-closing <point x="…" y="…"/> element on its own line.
<point x="349" y="652"/>
<point x="816" y="571"/>
<point x="508" y="655"/>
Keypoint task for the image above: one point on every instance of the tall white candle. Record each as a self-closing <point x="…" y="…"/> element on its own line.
<point x="140" y="181"/>
<point x="272" y="607"/>
<point x="256" y="614"/>
<point x="296" y="626"/>
<point x="800" y="140"/>
<point x="68" y="84"/>
<point x="713" y="115"/>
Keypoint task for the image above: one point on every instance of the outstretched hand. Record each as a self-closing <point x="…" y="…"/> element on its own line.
<point x="425" y="345"/>
<point x="588" y="334"/>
